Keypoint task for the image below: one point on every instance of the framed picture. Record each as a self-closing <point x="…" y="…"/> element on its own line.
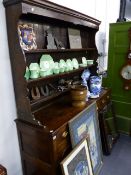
<point x="74" y="38"/>
<point x="78" y="161"/>
<point x="85" y="124"/>
<point x="27" y="37"/>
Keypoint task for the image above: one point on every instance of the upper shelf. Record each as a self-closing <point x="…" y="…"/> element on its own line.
<point x="34" y="82"/>
<point x="58" y="50"/>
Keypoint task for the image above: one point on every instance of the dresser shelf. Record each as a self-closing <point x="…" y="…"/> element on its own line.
<point x="58" y="50"/>
<point x="47" y="79"/>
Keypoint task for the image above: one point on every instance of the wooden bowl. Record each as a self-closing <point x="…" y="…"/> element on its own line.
<point x="78" y="103"/>
<point x="78" y="95"/>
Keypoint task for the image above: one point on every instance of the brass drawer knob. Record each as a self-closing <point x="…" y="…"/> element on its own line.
<point x="103" y="101"/>
<point x="64" y="135"/>
<point x="108" y="97"/>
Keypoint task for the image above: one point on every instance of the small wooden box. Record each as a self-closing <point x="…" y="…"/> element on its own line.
<point x="3" y="170"/>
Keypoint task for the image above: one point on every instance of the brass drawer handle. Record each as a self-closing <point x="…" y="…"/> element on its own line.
<point x="64" y="135"/>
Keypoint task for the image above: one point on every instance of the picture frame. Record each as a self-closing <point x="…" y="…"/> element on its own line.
<point x="27" y="37"/>
<point x="78" y="162"/>
<point x="86" y="124"/>
<point x="74" y="38"/>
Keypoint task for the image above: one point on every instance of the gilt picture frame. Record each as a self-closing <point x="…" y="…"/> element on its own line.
<point x="27" y="37"/>
<point x="78" y="161"/>
<point x="86" y="124"/>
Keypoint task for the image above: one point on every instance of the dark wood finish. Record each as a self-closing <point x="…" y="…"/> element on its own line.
<point x="3" y="170"/>
<point x="104" y="99"/>
<point x="45" y="158"/>
<point x="43" y="122"/>
<point x="54" y="9"/>
<point x="40" y="14"/>
<point x="50" y="78"/>
<point x="58" y="50"/>
<point x="44" y="147"/>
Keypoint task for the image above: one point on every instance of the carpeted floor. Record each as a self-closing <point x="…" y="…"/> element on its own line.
<point x="119" y="162"/>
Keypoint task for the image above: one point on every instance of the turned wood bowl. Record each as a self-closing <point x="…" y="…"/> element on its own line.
<point x="78" y="95"/>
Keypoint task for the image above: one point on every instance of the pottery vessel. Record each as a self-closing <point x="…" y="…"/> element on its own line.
<point x="95" y="85"/>
<point x="78" y="95"/>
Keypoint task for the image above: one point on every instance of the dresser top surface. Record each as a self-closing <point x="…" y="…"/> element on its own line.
<point x="58" y="114"/>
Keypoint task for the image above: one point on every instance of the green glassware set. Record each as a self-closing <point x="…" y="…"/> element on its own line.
<point x="47" y="66"/>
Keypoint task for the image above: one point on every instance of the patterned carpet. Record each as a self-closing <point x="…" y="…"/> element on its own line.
<point x="119" y="162"/>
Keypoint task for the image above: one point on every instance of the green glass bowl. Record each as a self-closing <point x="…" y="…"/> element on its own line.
<point x="34" y="74"/>
<point x="56" y="71"/>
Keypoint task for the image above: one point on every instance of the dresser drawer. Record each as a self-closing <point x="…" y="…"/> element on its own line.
<point x="103" y="100"/>
<point x="62" y="142"/>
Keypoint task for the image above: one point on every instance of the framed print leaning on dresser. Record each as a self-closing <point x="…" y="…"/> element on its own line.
<point x="78" y="162"/>
<point x="85" y="124"/>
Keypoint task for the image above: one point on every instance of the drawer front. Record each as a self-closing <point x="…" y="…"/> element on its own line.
<point x="62" y="142"/>
<point x="103" y="101"/>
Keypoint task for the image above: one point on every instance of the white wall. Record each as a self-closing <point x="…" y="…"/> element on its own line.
<point x="107" y="11"/>
<point x="104" y="10"/>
